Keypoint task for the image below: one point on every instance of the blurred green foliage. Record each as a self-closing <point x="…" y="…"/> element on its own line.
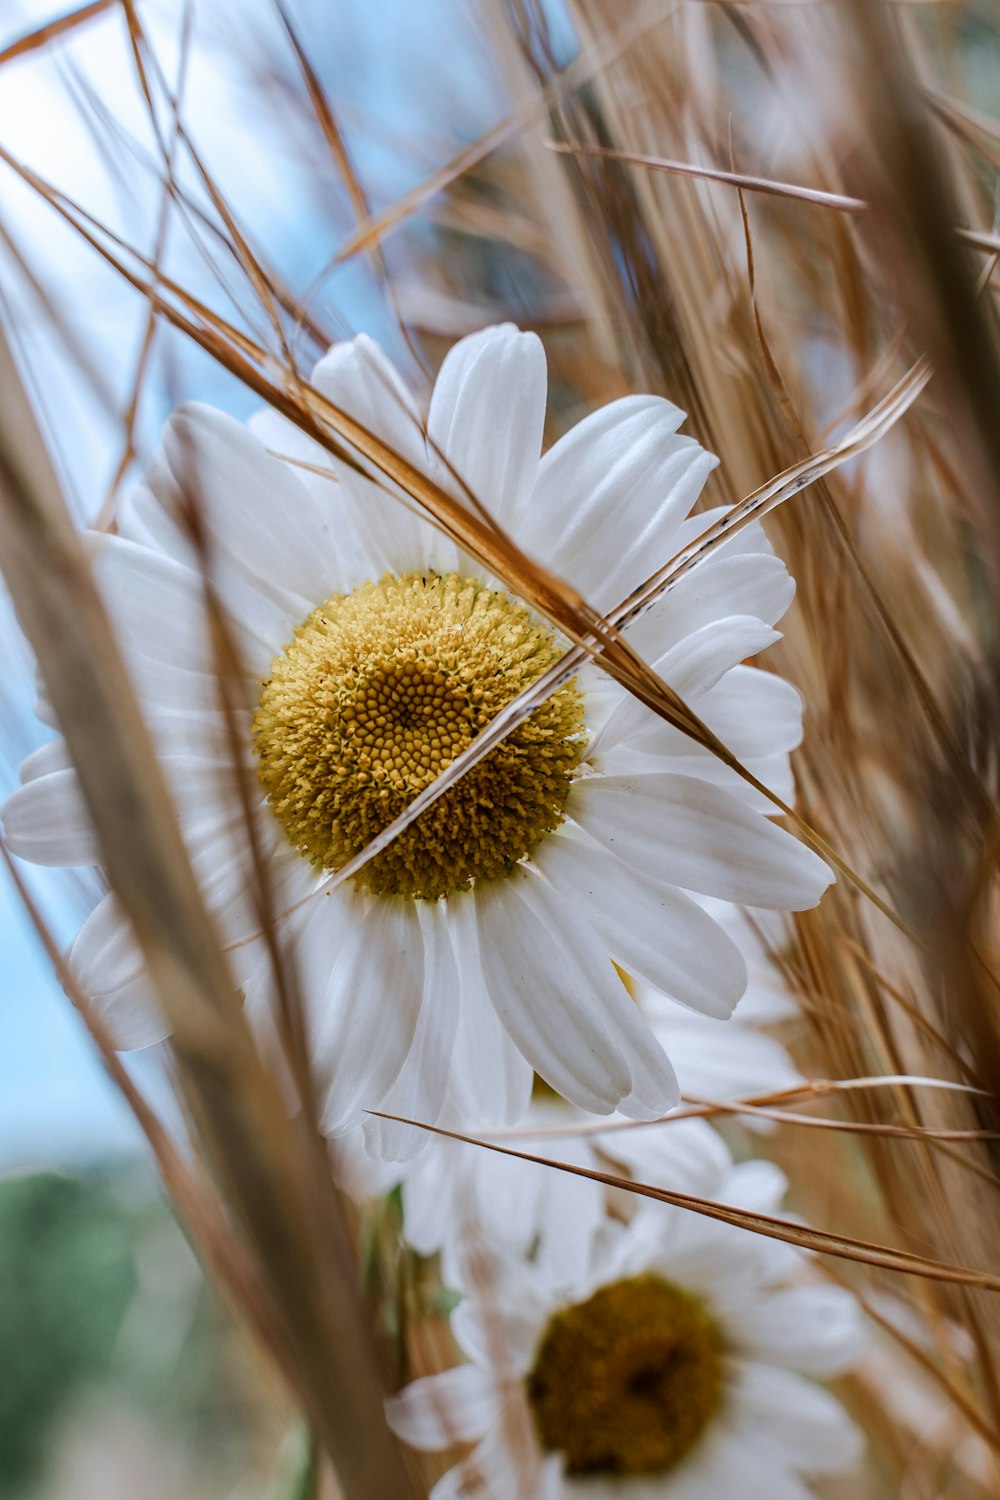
<point x="101" y="1301"/>
<point x="67" y="1275"/>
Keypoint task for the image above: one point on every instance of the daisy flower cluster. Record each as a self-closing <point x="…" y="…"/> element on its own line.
<point x="563" y="924"/>
<point x="656" y="1354"/>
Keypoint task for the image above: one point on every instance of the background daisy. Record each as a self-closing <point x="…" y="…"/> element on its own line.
<point x="677" y="1363"/>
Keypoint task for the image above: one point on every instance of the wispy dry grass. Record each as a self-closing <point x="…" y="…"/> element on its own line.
<point x="738" y="215"/>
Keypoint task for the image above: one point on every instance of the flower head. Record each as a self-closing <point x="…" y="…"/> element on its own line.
<point x="672" y="1366"/>
<point x="479" y="945"/>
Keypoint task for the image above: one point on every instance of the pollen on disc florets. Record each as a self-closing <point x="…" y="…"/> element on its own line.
<point x="626" y="1382"/>
<point x="378" y="692"/>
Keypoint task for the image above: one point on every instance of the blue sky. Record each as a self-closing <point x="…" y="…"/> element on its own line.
<point x="55" y="1102"/>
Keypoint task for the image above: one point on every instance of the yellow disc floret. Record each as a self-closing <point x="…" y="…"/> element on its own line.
<point x="626" y="1382"/>
<point x="378" y="692"/>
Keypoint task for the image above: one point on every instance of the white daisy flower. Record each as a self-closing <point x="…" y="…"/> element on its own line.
<point x="676" y="1365"/>
<point x="478" y="946"/>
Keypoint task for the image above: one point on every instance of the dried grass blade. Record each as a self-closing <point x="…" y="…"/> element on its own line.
<point x="578" y="72"/>
<point x="222" y="1251"/>
<point x="818" y="1241"/>
<point x="972" y="126"/>
<point x="808" y="1090"/>
<point x="852" y="1127"/>
<point x="714" y="174"/>
<point x="40" y="37"/>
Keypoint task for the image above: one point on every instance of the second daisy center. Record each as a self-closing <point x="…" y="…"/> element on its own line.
<point x="626" y="1382"/>
<point x="378" y="692"/>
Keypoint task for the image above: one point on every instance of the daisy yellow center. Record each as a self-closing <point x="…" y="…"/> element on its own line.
<point x="626" y="1382"/>
<point x="378" y="692"/>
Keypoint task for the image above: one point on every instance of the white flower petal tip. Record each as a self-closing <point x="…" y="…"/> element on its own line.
<point x="685" y="830"/>
<point x="813" y="1428"/>
<point x="52" y="756"/>
<point x="612" y="493"/>
<point x="774" y="1329"/>
<point x="358" y="378"/>
<point x="46" y="821"/>
<point x="455" y="1407"/>
<point x="487" y="414"/>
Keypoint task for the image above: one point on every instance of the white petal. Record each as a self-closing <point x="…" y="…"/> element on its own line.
<point x="42" y="707"/>
<point x="687" y="1156"/>
<point x="642" y="1244"/>
<point x="705" y="1256"/>
<point x="324" y="477"/>
<point x="439" y="1195"/>
<point x="46" y="821"/>
<point x="730" y="1460"/>
<point x="760" y="1186"/>
<point x="110" y="967"/>
<point x="755" y="584"/>
<point x="497" y="1470"/>
<point x="359" y="1173"/>
<point x="158" y="603"/>
<point x="754" y="713"/>
<point x="419" y="1090"/>
<point x="200" y="733"/>
<point x="554" y="988"/>
<point x="260" y="521"/>
<point x="504" y="1198"/>
<point x="153" y="514"/>
<point x="359" y="379"/>
<point x="52" y="756"/>
<point x="500" y="1325"/>
<point x="361" y="971"/>
<point x="610" y="495"/>
<point x="487" y="414"/>
<point x="817" y="1330"/>
<point x="751" y="539"/>
<point x="682" y="830"/>
<point x="156" y="518"/>
<point x="691" y="668"/>
<point x="652" y="930"/>
<point x="806" y="1422"/>
<point x="678" y="753"/>
<point x="158" y="609"/>
<point x="718" y="1060"/>
<point x="571" y="1213"/>
<point x="491" y="1080"/>
<point x="456" y="1406"/>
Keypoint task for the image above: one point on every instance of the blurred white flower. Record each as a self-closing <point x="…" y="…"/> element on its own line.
<point x="478" y="946"/>
<point x="674" y="1365"/>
